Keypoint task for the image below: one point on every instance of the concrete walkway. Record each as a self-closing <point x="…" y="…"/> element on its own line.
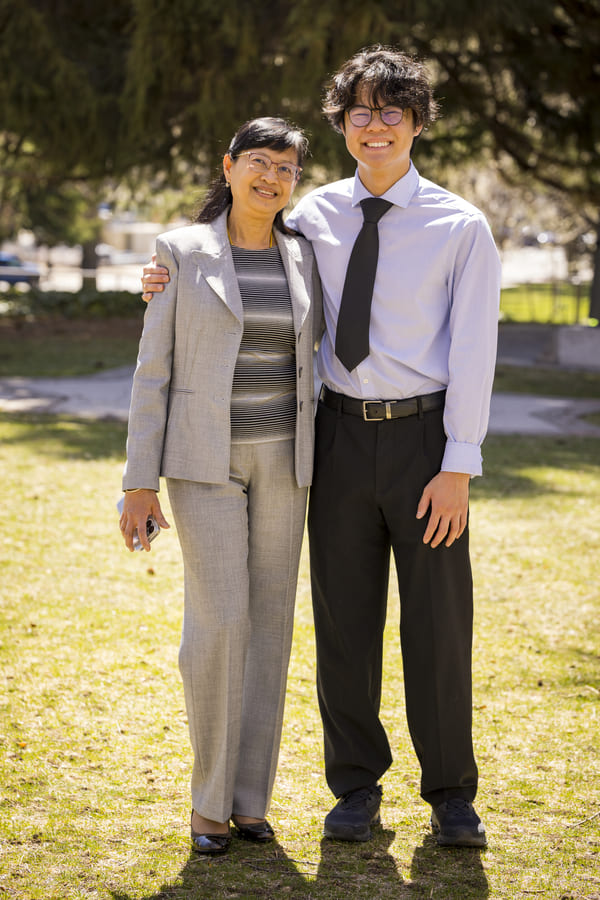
<point x="106" y="396"/>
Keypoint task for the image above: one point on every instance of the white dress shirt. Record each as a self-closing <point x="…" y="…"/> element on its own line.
<point x="434" y="315"/>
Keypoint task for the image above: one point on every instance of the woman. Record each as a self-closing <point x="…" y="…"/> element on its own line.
<point x="222" y="406"/>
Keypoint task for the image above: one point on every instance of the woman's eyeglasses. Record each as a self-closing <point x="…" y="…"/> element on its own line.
<point x="362" y="115"/>
<point x="260" y="162"/>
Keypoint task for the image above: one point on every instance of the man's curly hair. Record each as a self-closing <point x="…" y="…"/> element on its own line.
<point x="390" y="78"/>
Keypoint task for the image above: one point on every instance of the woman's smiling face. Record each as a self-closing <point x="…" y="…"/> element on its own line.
<point x="259" y="193"/>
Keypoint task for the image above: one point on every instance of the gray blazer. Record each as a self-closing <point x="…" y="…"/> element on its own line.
<point x="179" y="418"/>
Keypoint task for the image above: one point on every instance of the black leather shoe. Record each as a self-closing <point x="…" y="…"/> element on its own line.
<point x="210" y="844"/>
<point x="456" y="824"/>
<point x="260" y="832"/>
<point x="354" y="813"/>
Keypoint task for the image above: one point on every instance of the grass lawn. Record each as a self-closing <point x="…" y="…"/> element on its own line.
<point x="94" y="757"/>
<point x="56" y="346"/>
<point x="557" y="302"/>
<point x="547" y="382"/>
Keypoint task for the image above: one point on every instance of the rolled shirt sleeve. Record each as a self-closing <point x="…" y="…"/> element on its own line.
<point x="474" y="291"/>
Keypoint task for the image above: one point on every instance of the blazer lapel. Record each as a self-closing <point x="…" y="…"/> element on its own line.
<point x="296" y="270"/>
<point x="215" y="265"/>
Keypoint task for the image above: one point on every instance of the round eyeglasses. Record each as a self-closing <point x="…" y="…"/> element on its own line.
<point x="260" y="162"/>
<point x="362" y="115"/>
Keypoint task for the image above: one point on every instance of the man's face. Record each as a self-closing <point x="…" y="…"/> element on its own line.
<point x="381" y="151"/>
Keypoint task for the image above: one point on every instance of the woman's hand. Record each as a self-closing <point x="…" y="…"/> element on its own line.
<point x="138" y="506"/>
<point x="153" y="279"/>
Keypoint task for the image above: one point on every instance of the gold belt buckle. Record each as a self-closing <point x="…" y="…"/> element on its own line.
<point x="388" y="410"/>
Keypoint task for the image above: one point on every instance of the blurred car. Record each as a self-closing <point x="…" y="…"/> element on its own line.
<point x="14" y="271"/>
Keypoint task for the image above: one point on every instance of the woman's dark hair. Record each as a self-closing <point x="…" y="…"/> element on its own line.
<point x="389" y="76"/>
<point x="264" y="132"/>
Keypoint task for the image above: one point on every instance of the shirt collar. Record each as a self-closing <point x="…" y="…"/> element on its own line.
<point x="400" y="193"/>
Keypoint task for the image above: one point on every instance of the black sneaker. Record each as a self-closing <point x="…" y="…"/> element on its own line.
<point x="353" y="814"/>
<point x="456" y="824"/>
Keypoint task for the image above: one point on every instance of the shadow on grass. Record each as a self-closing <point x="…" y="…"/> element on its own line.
<point x="64" y="437"/>
<point x="448" y="872"/>
<point x="357" y="871"/>
<point x="505" y="456"/>
<point x="346" y="868"/>
<point x="508" y="457"/>
<point x="369" y="870"/>
<point x="246" y="871"/>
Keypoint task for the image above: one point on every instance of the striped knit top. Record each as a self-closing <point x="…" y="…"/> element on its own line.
<point x="263" y="400"/>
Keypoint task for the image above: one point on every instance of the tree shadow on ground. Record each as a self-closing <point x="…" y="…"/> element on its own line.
<point x="450" y="872"/>
<point x="507" y="458"/>
<point x="65" y="437"/>
<point x="344" y="872"/>
<point x="359" y="870"/>
<point x="246" y="872"/>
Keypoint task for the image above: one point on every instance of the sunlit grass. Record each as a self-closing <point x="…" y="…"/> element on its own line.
<point x="559" y="303"/>
<point x="94" y="755"/>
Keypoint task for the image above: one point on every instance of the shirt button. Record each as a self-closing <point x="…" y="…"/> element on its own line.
<point x="365" y="380"/>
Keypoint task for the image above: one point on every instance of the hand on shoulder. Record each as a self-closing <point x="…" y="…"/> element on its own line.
<point x="153" y="279"/>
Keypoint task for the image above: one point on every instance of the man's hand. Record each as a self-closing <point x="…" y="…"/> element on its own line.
<point x="138" y="506"/>
<point x="447" y="498"/>
<point x="153" y="279"/>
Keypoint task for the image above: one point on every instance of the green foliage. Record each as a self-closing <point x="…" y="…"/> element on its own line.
<point x="519" y="77"/>
<point x="90" y="91"/>
<point x="166" y="80"/>
<point x="87" y="302"/>
<point x="63" y="73"/>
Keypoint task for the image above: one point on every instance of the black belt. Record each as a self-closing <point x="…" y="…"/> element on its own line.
<point x="378" y="410"/>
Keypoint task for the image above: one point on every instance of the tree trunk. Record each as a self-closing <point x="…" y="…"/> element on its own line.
<point x="89" y="262"/>
<point x="595" y="289"/>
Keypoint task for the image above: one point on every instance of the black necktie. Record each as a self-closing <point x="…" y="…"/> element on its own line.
<point x="352" y="332"/>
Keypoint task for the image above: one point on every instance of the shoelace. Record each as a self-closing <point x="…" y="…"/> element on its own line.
<point x="354" y="798"/>
<point x="457" y="803"/>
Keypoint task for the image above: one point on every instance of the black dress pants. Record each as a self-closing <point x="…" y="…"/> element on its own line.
<point x="367" y="483"/>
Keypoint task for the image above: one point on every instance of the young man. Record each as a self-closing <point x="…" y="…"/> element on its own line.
<point x="407" y="377"/>
<point x="394" y="474"/>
